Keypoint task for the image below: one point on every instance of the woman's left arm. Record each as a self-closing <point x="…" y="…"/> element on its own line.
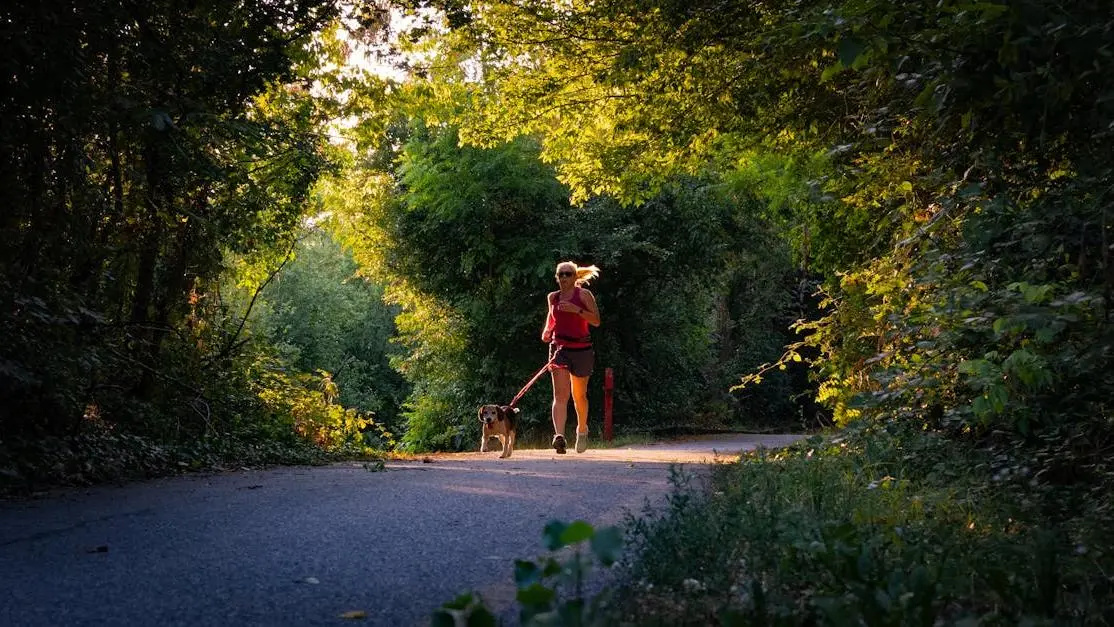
<point x="589" y="312"/>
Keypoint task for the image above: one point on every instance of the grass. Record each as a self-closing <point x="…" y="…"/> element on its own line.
<point x="872" y="530"/>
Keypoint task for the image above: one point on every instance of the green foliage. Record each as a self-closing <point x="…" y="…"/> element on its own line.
<point x="908" y="152"/>
<point x="466" y="243"/>
<point x="324" y="319"/>
<point x="550" y="590"/>
<point x="101" y="453"/>
<point x="461" y="251"/>
<point x="302" y="403"/>
<point x="946" y="165"/>
<point x="143" y="142"/>
<point x="162" y="160"/>
<point x="873" y="527"/>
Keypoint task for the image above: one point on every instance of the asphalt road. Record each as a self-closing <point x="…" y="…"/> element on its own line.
<point x="302" y="546"/>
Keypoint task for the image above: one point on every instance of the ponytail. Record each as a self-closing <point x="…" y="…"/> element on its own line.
<point x="586" y="274"/>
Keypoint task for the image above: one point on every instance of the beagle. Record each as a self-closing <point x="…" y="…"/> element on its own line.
<point x="498" y="421"/>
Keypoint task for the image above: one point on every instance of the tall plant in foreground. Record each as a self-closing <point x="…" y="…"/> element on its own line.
<point x="551" y="591"/>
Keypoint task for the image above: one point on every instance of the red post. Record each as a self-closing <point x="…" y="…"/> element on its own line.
<point x="608" y="423"/>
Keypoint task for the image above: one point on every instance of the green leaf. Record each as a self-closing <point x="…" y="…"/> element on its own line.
<point x="999" y="396"/>
<point x="461" y="602"/>
<point x="552" y="567"/>
<point x="535" y="595"/>
<point x="480" y="616"/>
<point x="848" y="51"/>
<point x="830" y="71"/>
<point x="607" y="545"/>
<point x="552" y="534"/>
<point x="1002" y="325"/>
<point x="576" y="532"/>
<point x="1046" y="335"/>
<point x="972" y="366"/>
<point x="981" y="407"/>
<point x="1036" y="294"/>
<point x="526" y="573"/>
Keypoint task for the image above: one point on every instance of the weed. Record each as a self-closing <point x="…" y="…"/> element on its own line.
<point x="866" y="529"/>
<point x="550" y="590"/>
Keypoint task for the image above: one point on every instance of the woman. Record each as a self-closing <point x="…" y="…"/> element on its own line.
<point x="571" y="309"/>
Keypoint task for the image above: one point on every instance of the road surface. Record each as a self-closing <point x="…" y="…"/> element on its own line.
<point x="304" y="545"/>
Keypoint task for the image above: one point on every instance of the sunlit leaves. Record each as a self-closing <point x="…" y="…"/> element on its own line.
<point x="323" y="318"/>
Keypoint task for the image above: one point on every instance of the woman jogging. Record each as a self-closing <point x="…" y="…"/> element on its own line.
<point x="571" y="309"/>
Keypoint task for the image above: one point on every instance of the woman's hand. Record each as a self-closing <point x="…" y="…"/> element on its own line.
<point x="571" y="307"/>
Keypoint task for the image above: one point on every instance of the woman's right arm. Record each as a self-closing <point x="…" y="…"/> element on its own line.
<point x="550" y="323"/>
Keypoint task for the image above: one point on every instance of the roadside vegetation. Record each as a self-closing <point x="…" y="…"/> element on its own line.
<point x="873" y="527"/>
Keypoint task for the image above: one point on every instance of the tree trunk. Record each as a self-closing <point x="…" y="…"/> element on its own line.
<point x="145" y="272"/>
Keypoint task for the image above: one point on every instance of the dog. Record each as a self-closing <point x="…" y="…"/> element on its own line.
<point x="499" y="421"/>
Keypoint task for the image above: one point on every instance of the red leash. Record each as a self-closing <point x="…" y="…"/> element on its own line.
<point x="534" y="380"/>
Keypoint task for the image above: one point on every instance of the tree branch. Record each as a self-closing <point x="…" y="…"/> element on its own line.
<point x="231" y="344"/>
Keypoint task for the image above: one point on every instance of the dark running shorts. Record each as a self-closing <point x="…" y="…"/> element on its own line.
<point x="579" y="361"/>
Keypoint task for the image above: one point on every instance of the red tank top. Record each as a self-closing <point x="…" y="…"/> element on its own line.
<point x="569" y="328"/>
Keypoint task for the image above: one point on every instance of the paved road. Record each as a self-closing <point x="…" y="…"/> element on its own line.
<point x="301" y="546"/>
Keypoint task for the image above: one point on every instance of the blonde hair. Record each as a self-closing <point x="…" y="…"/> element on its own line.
<point x="583" y="274"/>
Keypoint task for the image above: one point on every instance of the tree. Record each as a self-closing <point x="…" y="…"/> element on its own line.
<point x="324" y="318"/>
<point x="144" y="142"/>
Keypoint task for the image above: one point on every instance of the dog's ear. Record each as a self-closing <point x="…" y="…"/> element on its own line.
<point x="480" y="413"/>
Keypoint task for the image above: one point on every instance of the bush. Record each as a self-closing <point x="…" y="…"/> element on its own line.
<point x="875" y="527"/>
<point x="100" y="454"/>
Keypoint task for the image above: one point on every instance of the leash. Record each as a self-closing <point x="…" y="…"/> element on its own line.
<point x="532" y="381"/>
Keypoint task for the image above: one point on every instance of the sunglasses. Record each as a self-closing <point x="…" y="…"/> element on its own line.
<point x="565" y="273"/>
